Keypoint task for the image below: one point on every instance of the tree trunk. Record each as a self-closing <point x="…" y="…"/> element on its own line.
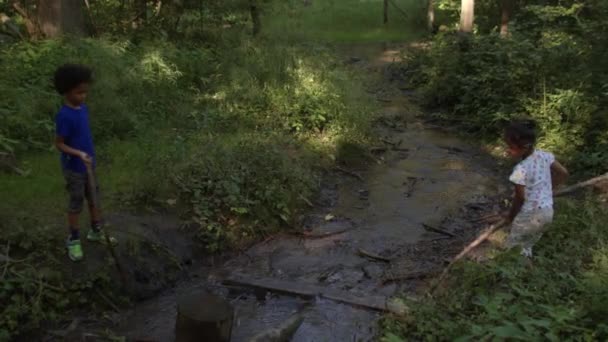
<point x="142" y="11"/>
<point x="255" y="17"/>
<point x="467" y="15"/>
<point x="505" y="17"/>
<point x="203" y="317"/>
<point x="385" y="12"/>
<point x="57" y="17"/>
<point x="430" y="15"/>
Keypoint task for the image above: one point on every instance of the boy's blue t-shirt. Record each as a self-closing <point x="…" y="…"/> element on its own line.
<point x="73" y="126"/>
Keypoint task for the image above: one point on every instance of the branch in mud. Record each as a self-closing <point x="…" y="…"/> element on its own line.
<point x="283" y="332"/>
<point x="437" y="230"/>
<point x="350" y="173"/>
<point x="321" y="235"/>
<point x="373" y="256"/>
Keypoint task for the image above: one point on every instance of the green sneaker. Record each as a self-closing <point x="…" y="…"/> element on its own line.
<point x="74" y="250"/>
<point x="97" y="236"/>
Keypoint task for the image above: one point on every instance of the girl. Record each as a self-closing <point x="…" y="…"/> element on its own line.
<point x="535" y="177"/>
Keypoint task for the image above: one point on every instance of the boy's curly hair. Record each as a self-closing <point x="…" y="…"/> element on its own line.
<point x="69" y="76"/>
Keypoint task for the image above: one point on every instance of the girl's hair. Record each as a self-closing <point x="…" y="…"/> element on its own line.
<point x="521" y="133"/>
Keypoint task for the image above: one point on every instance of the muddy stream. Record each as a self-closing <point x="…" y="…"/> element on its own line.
<point x="424" y="177"/>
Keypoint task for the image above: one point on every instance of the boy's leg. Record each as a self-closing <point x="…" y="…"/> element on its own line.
<point x="75" y="185"/>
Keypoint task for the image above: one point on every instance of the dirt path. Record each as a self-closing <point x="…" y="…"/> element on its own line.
<point x="423" y="178"/>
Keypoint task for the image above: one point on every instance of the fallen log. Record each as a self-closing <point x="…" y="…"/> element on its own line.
<point x="311" y="291"/>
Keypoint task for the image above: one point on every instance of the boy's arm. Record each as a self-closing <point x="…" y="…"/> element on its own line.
<point x="61" y="146"/>
<point x="559" y="174"/>
<point x="518" y="201"/>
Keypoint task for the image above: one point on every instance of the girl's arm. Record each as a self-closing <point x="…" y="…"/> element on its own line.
<point x="518" y="201"/>
<point x="559" y="174"/>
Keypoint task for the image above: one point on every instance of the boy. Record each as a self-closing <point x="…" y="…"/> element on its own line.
<point x="75" y="141"/>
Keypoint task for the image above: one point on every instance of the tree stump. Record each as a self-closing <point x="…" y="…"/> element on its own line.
<point x="203" y="317"/>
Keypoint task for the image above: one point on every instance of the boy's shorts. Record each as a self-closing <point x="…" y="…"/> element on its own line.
<point x="77" y="185"/>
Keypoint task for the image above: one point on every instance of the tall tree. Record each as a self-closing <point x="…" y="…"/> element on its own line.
<point x="385" y="12"/>
<point x="506" y="9"/>
<point x="467" y="15"/>
<point x="58" y="17"/>
<point x="430" y="15"/>
<point x="255" y="17"/>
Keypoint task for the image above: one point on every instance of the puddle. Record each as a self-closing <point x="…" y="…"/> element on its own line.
<point x="429" y="176"/>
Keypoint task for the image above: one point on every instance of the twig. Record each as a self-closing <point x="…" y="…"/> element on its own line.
<point x="399" y="9"/>
<point x="8" y="260"/>
<point x="309" y="203"/>
<point x="322" y="235"/>
<point x="373" y="256"/>
<point x="377" y="150"/>
<point x="350" y="173"/>
<point x="409" y="276"/>
<point x="437" y="230"/>
<point x="48" y="286"/>
<point x="388" y="142"/>
<point x="107" y="300"/>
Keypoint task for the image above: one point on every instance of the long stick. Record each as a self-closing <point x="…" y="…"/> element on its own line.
<point x="93" y="194"/>
<point x="483" y="237"/>
<point x="493" y="228"/>
<point x="577" y="186"/>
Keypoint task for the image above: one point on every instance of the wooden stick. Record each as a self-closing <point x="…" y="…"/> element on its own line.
<point x="321" y="235"/>
<point x="438" y="230"/>
<point x="350" y="173"/>
<point x="587" y="183"/>
<point x="483" y="237"/>
<point x="93" y="194"/>
<point x="373" y="256"/>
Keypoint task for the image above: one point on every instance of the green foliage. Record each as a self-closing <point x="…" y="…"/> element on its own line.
<point x="36" y="288"/>
<point x="245" y="181"/>
<point x="552" y="69"/>
<point x="558" y="297"/>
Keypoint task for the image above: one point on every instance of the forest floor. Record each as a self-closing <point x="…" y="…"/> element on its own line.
<point x="422" y="177"/>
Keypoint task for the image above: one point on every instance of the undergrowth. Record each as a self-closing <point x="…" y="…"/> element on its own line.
<point x="560" y="296"/>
